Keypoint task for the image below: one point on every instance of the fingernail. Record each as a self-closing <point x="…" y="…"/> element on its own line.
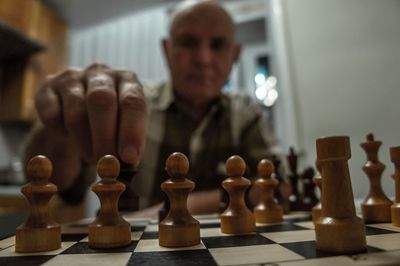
<point x="129" y="155"/>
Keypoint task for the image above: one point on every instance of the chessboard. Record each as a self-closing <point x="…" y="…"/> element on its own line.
<point x="291" y="242"/>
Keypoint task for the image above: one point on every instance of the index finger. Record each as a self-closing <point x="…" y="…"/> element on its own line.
<point x="132" y="117"/>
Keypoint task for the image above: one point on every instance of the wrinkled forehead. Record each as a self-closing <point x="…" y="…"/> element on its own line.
<point x="192" y="16"/>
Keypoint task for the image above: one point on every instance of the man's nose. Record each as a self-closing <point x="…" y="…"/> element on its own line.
<point x="204" y="55"/>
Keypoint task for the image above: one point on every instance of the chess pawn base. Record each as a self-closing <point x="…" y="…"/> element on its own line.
<point x="103" y="236"/>
<point x="269" y="216"/>
<point x="376" y="213"/>
<point x="179" y="235"/>
<point x="37" y="239"/>
<point x="316" y="212"/>
<point x="238" y="224"/>
<point x="395" y="211"/>
<point x="342" y="236"/>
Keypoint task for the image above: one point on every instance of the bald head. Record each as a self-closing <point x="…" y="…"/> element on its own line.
<point x="200" y="51"/>
<point x="189" y="8"/>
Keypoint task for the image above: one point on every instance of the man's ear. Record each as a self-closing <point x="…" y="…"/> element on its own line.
<point x="164" y="43"/>
<point x="238" y="49"/>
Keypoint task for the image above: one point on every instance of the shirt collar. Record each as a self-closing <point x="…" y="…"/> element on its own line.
<point x="166" y="98"/>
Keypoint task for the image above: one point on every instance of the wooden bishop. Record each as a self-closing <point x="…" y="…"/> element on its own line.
<point x="267" y="210"/>
<point x="40" y="232"/>
<point x="109" y="229"/>
<point x="179" y="228"/>
<point x="338" y="230"/>
<point x="376" y="206"/>
<point x="395" y="208"/>
<point x="237" y="218"/>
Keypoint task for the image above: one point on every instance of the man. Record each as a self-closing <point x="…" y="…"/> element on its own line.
<point x="88" y="113"/>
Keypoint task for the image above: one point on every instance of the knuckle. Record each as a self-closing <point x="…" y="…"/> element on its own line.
<point x="133" y="100"/>
<point x="101" y="97"/>
<point x="127" y="75"/>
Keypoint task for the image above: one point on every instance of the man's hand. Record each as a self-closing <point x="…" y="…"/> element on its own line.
<point x="101" y="110"/>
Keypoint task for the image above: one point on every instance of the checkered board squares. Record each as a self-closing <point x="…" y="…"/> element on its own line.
<point x="289" y="243"/>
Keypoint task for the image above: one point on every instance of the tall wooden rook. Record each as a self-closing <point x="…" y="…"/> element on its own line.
<point x="395" y="208"/>
<point x="338" y="230"/>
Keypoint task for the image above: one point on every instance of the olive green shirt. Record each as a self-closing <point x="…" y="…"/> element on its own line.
<point x="233" y="125"/>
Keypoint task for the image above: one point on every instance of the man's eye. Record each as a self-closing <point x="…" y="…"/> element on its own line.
<point x="218" y="45"/>
<point x="187" y="42"/>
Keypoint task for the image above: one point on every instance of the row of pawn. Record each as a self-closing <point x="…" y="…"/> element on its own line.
<point x="109" y="230"/>
<point x="180" y="229"/>
<point x="40" y="232"/>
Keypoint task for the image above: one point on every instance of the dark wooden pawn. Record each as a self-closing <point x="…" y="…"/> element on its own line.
<point x="395" y="208"/>
<point x="267" y="210"/>
<point x="179" y="228"/>
<point x="283" y="191"/>
<point x="40" y="232"/>
<point x="128" y="201"/>
<point x="317" y="209"/>
<point x="338" y="230"/>
<point x="295" y="197"/>
<point x="109" y="229"/>
<point x="376" y="206"/>
<point x="309" y="199"/>
<point x="237" y="218"/>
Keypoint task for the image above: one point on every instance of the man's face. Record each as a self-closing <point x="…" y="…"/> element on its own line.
<point x="200" y="53"/>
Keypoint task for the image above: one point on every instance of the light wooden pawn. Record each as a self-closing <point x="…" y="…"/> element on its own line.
<point x="178" y="228"/>
<point x="109" y="229"/>
<point x="376" y="206"/>
<point x="395" y="208"/>
<point x="237" y="218"/>
<point x="40" y="232"/>
<point x="338" y="230"/>
<point x="267" y="210"/>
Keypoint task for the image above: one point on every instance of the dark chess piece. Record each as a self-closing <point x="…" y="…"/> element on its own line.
<point x="317" y="209"/>
<point x="283" y="191"/>
<point x="267" y="210"/>
<point x="237" y="218"/>
<point x="395" y="208"/>
<point x="376" y="206"/>
<point x="39" y="232"/>
<point x="109" y="229"/>
<point x="129" y="201"/>
<point x="295" y="197"/>
<point x="162" y="213"/>
<point x="338" y="230"/>
<point x="179" y="228"/>
<point x="309" y="198"/>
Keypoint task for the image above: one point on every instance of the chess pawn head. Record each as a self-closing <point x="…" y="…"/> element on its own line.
<point x="177" y="165"/>
<point x="39" y="169"/>
<point x="108" y="167"/>
<point x="265" y="168"/>
<point x="235" y="166"/>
